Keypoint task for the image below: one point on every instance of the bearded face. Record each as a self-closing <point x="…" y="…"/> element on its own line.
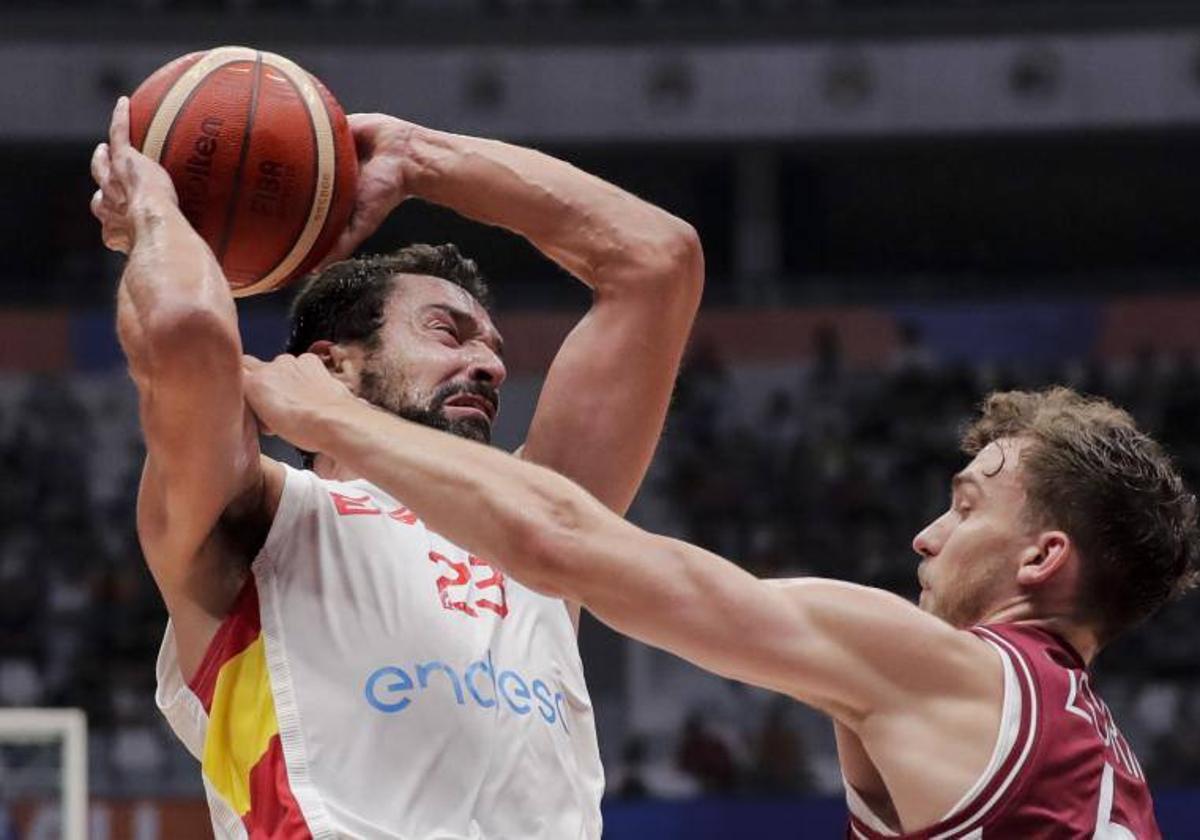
<point x="466" y="409"/>
<point x="436" y="360"/>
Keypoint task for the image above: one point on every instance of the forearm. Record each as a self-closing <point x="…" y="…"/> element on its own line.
<point x="484" y="500"/>
<point x="172" y="287"/>
<point x="552" y="536"/>
<point x="601" y="234"/>
<point x="555" y="538"/>
<point x="598" y="417"/>
<point x="845" y="649"/>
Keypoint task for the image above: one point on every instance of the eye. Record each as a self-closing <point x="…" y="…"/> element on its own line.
<point x="448" y="329"/>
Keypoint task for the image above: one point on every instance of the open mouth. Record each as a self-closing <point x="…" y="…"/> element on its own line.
<point x="474" y="404"/>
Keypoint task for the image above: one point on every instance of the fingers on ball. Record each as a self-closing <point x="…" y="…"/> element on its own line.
<point x="118" y="128"/>
<point x="100" y="167"/>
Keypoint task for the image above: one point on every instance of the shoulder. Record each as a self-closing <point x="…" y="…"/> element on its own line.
<point x="901" y="658"/>
<point x="882" y="621"/>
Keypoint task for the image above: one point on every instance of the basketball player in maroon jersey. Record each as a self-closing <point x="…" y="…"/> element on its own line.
<point x="971" y="716"/>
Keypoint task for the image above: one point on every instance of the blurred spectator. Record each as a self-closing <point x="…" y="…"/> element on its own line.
<point x="20" y="683"/>
<point x="627" y="780"/>
<point x="829" y="471"/>
<point x="705" y="757"/>
<point x="780" y="761"/>
<point x="836" y="480"/>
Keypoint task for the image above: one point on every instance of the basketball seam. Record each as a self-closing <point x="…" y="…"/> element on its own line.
<point x="196" y="85"/>
<point x="161" y="133"/>
<point x="259" y="286"/>
<point x="236" y="193"/>
<point x="316" y="179"/>
<point x="316" y="175"/>
<point x="333" y="193"/>
<point x="305" y="85"/>
<point x="162" y="97"/>
<point x="187" y="100"/>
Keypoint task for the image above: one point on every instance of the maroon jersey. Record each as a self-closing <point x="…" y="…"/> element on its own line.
<point x="1061" y="768"/>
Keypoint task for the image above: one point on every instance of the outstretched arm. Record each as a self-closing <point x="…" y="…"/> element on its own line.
<point x="605" y="397"/>
<point x="850" y="651"/>
<point x="178" y="327"/>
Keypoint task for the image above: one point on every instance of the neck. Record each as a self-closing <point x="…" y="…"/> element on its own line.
<point x="1082" y="639"/>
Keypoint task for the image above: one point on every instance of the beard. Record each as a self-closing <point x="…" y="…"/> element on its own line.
<point x="965" y="599"/>
<point x="388" y="393"/>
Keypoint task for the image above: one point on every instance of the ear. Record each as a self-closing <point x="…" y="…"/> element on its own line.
<point x="1049" y="558"/>
<point x="344" y="361"/>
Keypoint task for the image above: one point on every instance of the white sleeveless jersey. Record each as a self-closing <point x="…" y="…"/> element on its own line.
<point x="374" y="680"/>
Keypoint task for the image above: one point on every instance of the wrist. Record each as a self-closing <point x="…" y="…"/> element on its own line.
<point x="329" y="424"/>
<point x="351" y="430"/>
<point x="149" y="214"/>
<point x="421" y="153"/>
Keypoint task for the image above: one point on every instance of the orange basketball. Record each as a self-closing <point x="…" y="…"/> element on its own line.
<point x="261" y="156"/>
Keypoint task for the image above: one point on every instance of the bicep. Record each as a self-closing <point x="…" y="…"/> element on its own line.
<point x="873" y="653"/>
<point x="605" y="398"/>
<point x="847" y="650"/>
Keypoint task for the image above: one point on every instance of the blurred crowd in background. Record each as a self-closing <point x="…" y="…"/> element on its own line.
<point x="810" y="469"/>
<point x="837" y="471"/>
<point x="1022" y="164"/>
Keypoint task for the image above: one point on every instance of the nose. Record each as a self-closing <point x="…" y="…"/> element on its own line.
<point x="928" y="540"/>
<point x="486" y="366"/>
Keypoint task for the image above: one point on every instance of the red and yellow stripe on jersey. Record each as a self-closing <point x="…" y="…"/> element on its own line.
<point x="243" y="756"/>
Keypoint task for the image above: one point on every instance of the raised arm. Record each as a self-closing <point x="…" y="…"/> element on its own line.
<point x="605" y="397"/>
<point x="178" y="327"/>
<point x="858" y="654"/>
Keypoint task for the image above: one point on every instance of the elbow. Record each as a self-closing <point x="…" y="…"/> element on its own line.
<point x="675" y="259"/>
<point x="689" y="261"/>
<point x="660" y="261"/>
<point x="676" y="279"/>
<point x="683" y="248"/>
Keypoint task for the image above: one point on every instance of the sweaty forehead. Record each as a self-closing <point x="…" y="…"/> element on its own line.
<point x="412" y="291"/>
<point x="416" y="292"/>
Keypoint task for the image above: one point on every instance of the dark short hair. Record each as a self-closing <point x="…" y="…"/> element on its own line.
<point x="345" y="301"/>
<point x="1092" y="473"/>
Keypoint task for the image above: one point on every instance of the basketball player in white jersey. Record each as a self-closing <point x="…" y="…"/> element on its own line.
<point x="972" y="716"/>
<point x="338" y="668"/>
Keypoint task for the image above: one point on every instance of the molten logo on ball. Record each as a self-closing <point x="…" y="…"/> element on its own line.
<point x="193" y="193"/>
<point x="261" y="155"/>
